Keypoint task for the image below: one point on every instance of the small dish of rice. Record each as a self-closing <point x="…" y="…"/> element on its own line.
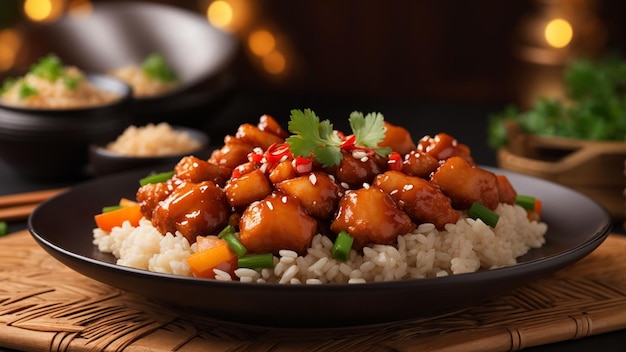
<point x="51" y="85"/>
<point x="153" y="140"/>
<point x="147" y="145"/>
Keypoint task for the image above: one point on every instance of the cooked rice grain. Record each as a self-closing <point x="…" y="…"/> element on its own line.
<point x="466" y="246"/>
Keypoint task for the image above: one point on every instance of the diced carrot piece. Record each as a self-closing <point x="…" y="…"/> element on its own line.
<point x="125" y="202"/>
<point x="212" y="253"/>
<point x="107" y="221"/>
<point x="535" y="214"/>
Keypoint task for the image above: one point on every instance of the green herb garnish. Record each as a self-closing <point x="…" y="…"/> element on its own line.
<point x="596" y="109"/>
<point x="26" y="90"/>
<point x="369" y="131"/>
<point x="71" y="82"/>
<point x="479" y="211"/>
<point x="48" y="67"/>
<point x="312" y="137"/>
<point x="7" y="84"/>
<point x="157" y="68"/>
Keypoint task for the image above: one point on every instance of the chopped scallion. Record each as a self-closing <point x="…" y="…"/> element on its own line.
<point x="234" y="244"/>
<point x="256" y="261"/>
<point x="342" y="246"/>
<point x="228" y="235"/>
<point x="226" y="230"/>
<point x="479" y="211"/>
<point x="156" y="178"/>
<point x="4" y="228"/>
<point x="110" y="208"/>
<point x="526" y="202"/>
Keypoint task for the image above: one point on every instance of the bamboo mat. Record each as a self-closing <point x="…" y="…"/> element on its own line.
<point x="45" y="306"/>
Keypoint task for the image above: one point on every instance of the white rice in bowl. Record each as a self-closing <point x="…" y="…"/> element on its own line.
<point x="55" y="94"/>
<point x="143" y="85"/>
<point x="153" y="140"/>
<point x="466" y="246"/>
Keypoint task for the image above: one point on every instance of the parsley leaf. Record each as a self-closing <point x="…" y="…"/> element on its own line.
<point x="26" y="90"/>
<point x="369" y="131"/>
<point x="312" y="137"/>
<point x="157" y="68"/>
<point x="49" y="67"/>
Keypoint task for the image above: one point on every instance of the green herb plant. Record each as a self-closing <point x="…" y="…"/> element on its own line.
<point x="595" y="108"/>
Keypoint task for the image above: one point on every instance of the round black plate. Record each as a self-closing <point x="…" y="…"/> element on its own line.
<point x="63" y="227"/>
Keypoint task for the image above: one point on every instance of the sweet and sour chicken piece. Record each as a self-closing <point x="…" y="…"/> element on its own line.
<point x="419" y="163"/>
<point x="247" y="188"/>
<point x="398" y="139"/>
<point x="195" y="170"/>
<point x="254" y="136"/>
<point x="465" y="184"/>
<point x="420" y="199"/>
<point x="317" y="191"/>
<point x="444" y="146"/>
<point x="371" y="216"/>
<point x="233" y="153"/>
<point x="278" y="221"/>
<point x="356" y="171"/>
<point x="194" y="209"/>
<point x="150" y="195"/>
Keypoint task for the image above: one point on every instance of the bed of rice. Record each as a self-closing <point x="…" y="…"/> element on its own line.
<point x="153" y="140"/>
<point x="56" y="95"/>
<point x="467" y="246"/>
<point x="143" y="86"/>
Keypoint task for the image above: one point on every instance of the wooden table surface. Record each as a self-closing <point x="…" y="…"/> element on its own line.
<point x="45" y="306"/>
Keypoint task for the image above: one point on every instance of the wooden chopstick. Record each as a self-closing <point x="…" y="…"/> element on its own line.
<point x="19" y="206"/>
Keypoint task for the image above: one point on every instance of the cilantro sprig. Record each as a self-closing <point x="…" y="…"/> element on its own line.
<point x="155" y="66"/>
<point x="312" y="137"/>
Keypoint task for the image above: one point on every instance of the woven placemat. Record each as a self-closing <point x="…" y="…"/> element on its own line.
<point x="45" y="306"/>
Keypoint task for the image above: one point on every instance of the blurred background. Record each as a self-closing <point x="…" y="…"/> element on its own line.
<point x="417" y="62"/>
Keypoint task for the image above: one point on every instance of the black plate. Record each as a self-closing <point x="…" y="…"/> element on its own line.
<point x="63" y="227"/>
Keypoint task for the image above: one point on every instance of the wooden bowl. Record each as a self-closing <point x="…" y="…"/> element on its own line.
<point x="594" y="168"/>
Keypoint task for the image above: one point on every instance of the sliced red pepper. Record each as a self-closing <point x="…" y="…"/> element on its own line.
<point x="302" y="165"/>
<point x="395" y="162"/>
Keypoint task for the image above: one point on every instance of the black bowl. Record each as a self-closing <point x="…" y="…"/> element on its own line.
<point x="52" y="144"/>
<point x="105" y="162"/>
<point x="118" y="34"/>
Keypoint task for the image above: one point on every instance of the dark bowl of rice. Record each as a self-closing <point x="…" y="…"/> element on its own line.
<point x="51" y="142"/>
<point x="119" y="37"/>
<point x="147" y="146"/>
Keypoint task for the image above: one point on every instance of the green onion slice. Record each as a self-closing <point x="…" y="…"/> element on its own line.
<point x="256" y="261"/>
<point x="234" y="244"/>
<point x="342" y="246"/>
<point x="526" y="202"/>
<point x="156" y="178"/>
<point x="110" y="208"/>
<point x="4" y="228"/>
<point x="479" y="211"/>
<point x="228" y="235"/>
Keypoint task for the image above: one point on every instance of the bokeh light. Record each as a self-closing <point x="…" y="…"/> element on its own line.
<point x="558" y="33"/>
<point x="220" y="14"/>
<point x="43" y="10"/>
<point x="10" y="44"/>
<point x="274" y="63"/>
<point x="261" y="42"/>
<point x="80" y="8"/>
